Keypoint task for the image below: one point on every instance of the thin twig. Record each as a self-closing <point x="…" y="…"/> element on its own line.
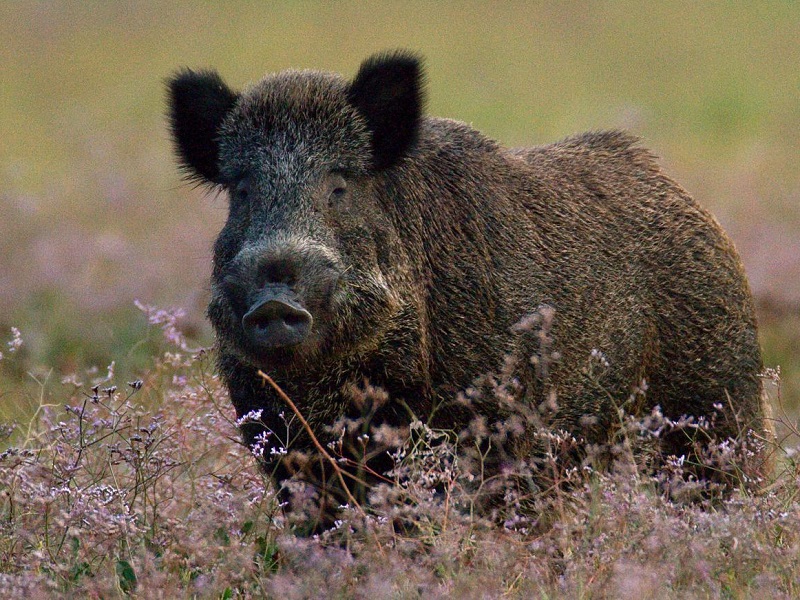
<point x="336" y="468"/>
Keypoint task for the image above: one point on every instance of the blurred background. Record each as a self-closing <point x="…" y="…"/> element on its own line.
<point x="94" y="215"/>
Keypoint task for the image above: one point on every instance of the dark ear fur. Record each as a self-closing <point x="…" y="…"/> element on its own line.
<point x="198" y="102"/>
<point x="388" y="92"/>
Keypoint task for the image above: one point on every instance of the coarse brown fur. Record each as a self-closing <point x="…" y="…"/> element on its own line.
<point x="416" y="253"/>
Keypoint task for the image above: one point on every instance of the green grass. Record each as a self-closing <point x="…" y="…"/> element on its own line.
<point x="95" y="215"/>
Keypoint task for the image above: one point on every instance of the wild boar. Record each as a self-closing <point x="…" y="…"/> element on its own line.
<point x="366" y="242"/>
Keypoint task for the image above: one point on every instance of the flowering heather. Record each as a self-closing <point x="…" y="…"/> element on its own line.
<point x="168" y="321"/>
<point x="142" y="489"/>
<point x="15" y="343"/>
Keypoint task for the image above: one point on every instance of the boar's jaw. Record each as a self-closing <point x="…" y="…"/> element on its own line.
<point x="277" y="319"/>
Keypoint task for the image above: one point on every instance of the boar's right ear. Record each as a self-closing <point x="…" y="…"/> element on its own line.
<point x="198" y="103"/>
<point x="388" y="93"/>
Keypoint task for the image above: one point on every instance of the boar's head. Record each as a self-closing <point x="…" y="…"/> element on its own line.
<point x="305" y="265"/>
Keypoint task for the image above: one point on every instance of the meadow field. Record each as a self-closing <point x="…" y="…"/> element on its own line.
<point x="119" y="469"/>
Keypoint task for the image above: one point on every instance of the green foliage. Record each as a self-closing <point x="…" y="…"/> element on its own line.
<point x="126" y="577"/>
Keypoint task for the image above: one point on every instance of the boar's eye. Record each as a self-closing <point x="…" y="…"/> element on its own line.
<point x="338" y="188"/>
<point x="241" y="191"/>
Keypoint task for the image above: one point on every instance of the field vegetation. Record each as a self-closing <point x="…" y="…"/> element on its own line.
<point x="120" y="468"/>
<point x="142" y="489"/>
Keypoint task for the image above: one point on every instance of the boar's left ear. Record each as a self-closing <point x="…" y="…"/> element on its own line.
<point x="198" y="102"/>
<point x="387" y="91"/>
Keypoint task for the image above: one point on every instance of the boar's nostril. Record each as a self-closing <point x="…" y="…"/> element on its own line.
<point x="275" y="321"/>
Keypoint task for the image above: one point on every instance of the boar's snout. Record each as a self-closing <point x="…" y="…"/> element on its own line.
<point x="276" y="318"/>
